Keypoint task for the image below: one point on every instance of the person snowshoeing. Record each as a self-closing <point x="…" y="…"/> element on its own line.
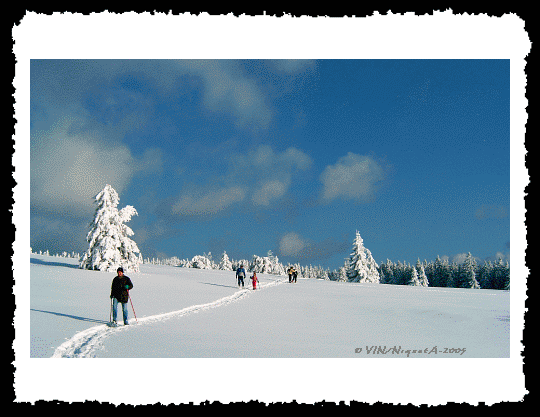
<point x="294" y="275"/>
<point x="254" y="280"/>
<point x="120" y="294"/>
<point x="240" y="275"/>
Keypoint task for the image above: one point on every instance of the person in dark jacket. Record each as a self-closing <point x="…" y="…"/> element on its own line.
<point x="120" y="294"/>
<point x="240" y="275"/>
<point x="292" y="274"/>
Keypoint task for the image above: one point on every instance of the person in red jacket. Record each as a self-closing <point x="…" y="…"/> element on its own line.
<point x="120" y="294"/>
<point x="254" y="279"/>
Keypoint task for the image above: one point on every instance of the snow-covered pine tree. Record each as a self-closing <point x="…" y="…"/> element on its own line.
<point x="210" y="258"/>
<point x="501" y="275"/>
<point x="422" y="277"/>
<point x="256" y="265"/>
<point x="225" y="263"/>
<point x="174" y="261"/>
<point x="506" y="276"/>
<point x="441" y="273"/>
<point x="202" y="262"/>
<point x="400" y="276"/>
<point x="386" y="272"/>
<point x="455" y="270"/>
<point x="266" y="265"/>
<point x="109" y="240"/>
<point x="413" y="276"/>
<point x="277" y="267"/>
<point x="325" y="274"/>
<point x="484" y="275"/>
<point x="468" y="274"/>
<point x="362" y="267"/>
<point x="342" y="274"/>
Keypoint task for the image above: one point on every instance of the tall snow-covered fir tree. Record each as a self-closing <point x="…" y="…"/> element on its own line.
<point x="422" y="278"/>
<point x="109" y="240"/>
<point x="362" y="267"/>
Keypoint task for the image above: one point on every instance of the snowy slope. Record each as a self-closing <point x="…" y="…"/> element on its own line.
<point x="199" y="313"/>
<point x="310" y="341"/>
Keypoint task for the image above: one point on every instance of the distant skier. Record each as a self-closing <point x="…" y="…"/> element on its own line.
<point x="295" y="275"/>
<point x="120" y="294"/>
<point x="254" y="280"/>
<point x="240" y="275"/>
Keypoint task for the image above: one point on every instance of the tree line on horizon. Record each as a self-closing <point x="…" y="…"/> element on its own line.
<point x="441" y="273"/>
<point x="110" y="246"/>
<point x="438" y="273"/>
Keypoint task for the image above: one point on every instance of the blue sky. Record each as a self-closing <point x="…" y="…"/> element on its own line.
<point x="292" y="156"/>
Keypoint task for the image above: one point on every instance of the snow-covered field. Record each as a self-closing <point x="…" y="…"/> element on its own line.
<point x="192" y="313"/>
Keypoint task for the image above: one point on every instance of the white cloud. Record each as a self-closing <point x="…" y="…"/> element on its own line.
<point x="270" y="190"/>
<point x="291" y="244"/>
<point x="68" y="171"/>
<point x="227" y="90"/>
<point x="296" y="158"/>
<point x="354" y="177"/>
<point x="289" y="160"/>
<point x="211" y="202"/>
<point x="294" y="245"/>
<point x="262" y="176"/>
<point x="69" y="168"/>
<point x="265" y="174"/>
<point x="274" y="172"/>
<point x="263" y="157"/>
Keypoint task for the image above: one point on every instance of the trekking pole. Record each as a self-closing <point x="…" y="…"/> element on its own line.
<point x="133" y="308"/>
<point x="110" y="312"/>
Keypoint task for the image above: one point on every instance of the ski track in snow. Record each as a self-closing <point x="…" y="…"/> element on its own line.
<point x="84" y="343"/>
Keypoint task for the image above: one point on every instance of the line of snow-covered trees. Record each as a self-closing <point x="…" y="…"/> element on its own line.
<point x="64" y="254"/>
<point x="268" y="264"/>
<point x="441" y="273"/>
<point x="361" y="267"/>
<point x="110" y="246"/>
<point x="438" y="273"/>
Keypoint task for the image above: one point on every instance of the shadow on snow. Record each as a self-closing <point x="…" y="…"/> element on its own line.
<point x="220" y="285"/>
<point x="43" y="262"/>
<point x="71" y="316"/>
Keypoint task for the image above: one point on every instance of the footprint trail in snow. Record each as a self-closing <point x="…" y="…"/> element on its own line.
<point x="84" y="343"/>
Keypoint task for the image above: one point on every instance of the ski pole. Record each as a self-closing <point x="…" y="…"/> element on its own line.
<point x="133" y="308"/>
<point x="110" y="312"/>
